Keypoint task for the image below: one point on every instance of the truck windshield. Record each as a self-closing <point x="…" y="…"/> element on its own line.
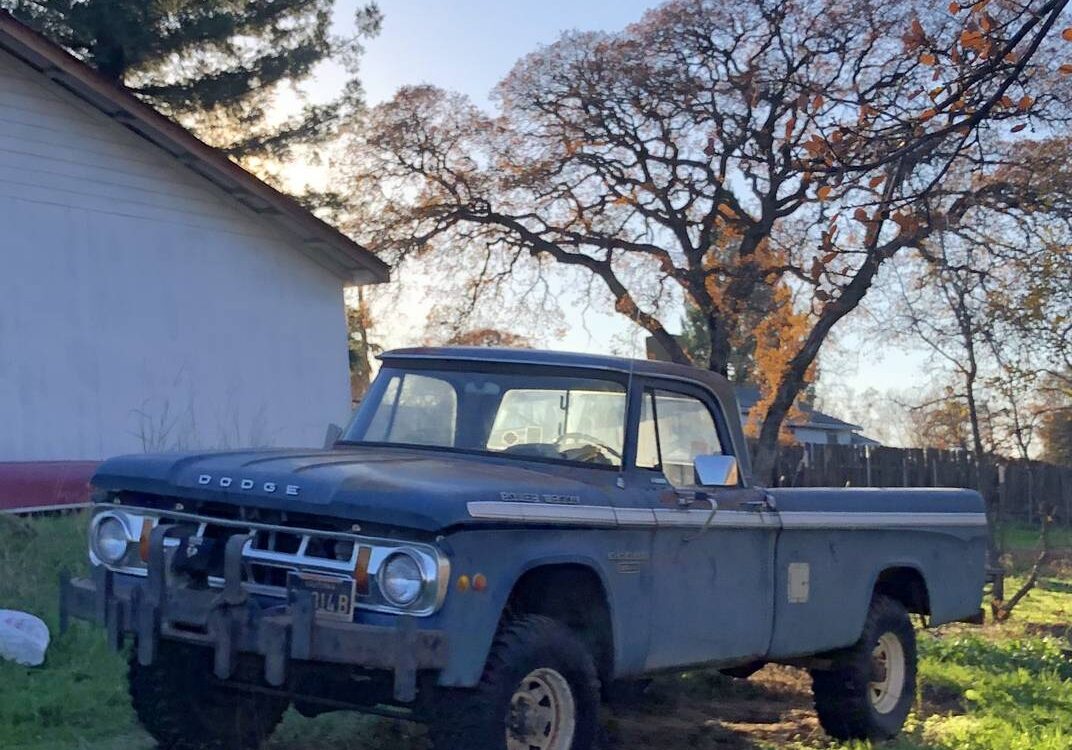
<point x="532" y="415"/>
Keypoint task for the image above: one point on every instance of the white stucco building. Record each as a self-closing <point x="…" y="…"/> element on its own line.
<point x="153" y="295"/>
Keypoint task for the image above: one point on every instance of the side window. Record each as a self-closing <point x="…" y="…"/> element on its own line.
<point x="416" y="410"/>
<point x="674" y="429"/>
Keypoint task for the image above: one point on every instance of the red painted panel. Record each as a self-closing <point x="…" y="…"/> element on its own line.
<point x="44" y="485"/>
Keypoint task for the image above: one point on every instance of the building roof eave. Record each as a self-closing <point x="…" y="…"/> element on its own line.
<point x="318" y="239"/>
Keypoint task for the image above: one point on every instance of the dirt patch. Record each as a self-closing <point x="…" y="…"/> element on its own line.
<point x="713" y="712"/>
<point x="1060" y="631"/>
<point x="942" y="699"/>
<point x="709" y="711"/>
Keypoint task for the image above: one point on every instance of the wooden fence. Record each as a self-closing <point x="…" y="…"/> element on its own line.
<point x="1017" y="490"/>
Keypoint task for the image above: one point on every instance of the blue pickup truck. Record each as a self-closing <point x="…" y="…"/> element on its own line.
<point x="498" y="538"/>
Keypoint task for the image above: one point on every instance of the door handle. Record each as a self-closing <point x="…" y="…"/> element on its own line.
<point x="758" y="506"/>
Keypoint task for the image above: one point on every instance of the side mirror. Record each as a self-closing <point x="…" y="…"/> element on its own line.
<point x="716" y="471"/>
<point x="334" y="433"/>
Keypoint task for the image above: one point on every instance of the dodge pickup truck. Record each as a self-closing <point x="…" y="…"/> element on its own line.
<point x="497" y="538"/>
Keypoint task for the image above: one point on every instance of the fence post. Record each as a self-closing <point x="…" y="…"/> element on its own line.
<point x="1002" y="496"/>
<point x="1031" y="494"/>
<point x="1065" y="479"/>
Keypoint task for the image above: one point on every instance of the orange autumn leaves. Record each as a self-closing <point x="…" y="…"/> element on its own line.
<point x="776" y="336"/>
<point x="956" y="63"/>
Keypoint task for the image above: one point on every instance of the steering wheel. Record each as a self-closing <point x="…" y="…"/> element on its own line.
<point x="582" y="436"/>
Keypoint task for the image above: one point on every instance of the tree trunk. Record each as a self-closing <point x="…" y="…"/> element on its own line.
<point x="982" y="475"/>
<point x="794" y="378"/>
<point x="765" y="460"/>
<point x="721" y="349"/>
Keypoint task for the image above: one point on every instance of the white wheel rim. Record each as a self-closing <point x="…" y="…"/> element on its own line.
<point x="887" y="673"/>
<point x="543" y="714"/>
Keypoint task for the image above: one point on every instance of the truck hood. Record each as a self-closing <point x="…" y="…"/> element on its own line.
<point x="422" y="489"/>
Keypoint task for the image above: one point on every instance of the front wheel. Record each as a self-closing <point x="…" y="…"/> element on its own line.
<point x="179" y="702"/>
<point x="539" y="692"/>
<point x="869" y="694"/>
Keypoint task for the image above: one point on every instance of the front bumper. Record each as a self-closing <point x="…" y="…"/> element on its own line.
<point x="231" y="622"/>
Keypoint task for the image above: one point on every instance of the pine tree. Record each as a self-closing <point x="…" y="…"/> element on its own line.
<point x="695" y="340"/>
<point x="216" y="66"/>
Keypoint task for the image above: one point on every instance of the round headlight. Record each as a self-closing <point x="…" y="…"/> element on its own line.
<point x="401" y="580"/>
<point x="111" y="540"/>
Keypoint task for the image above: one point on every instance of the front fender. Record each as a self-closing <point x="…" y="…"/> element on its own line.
<point x="471" y="618"/>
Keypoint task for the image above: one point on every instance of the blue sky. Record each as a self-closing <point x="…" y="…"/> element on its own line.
<point x="469" y="45"/>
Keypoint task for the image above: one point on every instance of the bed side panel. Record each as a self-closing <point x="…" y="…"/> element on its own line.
<point x="835" y="543"/>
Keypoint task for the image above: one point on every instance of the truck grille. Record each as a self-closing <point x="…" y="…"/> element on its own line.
<point x="273" y="552"/>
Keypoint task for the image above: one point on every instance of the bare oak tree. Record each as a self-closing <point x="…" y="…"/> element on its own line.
<point x="718" y="147"/>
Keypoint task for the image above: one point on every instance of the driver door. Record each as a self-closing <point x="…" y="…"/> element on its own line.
<point x="713" y="551"/>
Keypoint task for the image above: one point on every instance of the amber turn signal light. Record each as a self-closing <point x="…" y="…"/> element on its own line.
<point x="143" y="541"/>
<point x="361" y="570"/>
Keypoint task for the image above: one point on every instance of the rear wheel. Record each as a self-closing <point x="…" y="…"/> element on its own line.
<point x="539" y="692"/>
<point x="184" y="707"/>
<point x="869" y="694"/>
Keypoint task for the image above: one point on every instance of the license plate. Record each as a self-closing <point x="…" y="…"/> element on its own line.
<point x="333" y="597"/>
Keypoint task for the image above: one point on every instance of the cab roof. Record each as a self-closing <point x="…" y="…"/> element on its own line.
<point x="557" y="359"/>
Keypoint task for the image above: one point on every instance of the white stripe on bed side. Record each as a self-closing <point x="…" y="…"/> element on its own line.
<point x="878" y="520"/>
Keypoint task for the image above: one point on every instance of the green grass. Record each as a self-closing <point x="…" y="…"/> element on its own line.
<point x="1005" y="687"/>
<point x="1021" y="537"/>
<point x="78" y="697"/>
<point x="1016" y="692"/>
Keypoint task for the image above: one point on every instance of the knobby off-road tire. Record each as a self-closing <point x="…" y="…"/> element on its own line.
<point x="539" y="690"/>
<point x="179" y="702"/>
<point x="869" y="694"/>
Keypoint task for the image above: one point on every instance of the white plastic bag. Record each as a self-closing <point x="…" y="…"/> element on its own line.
<point x="23" y="638"/>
